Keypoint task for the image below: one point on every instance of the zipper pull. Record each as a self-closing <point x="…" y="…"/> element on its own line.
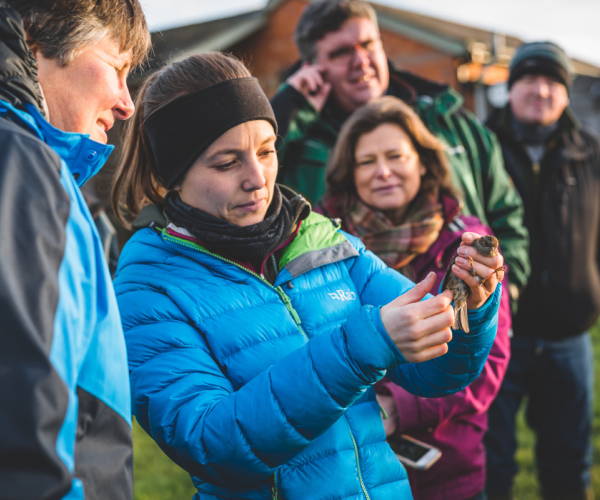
<point x="384" y="414"/>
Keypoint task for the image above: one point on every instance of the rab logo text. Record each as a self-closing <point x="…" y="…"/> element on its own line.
<point x="341" y="295"/>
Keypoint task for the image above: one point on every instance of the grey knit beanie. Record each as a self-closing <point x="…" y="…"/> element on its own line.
<point x="541" y="58"/>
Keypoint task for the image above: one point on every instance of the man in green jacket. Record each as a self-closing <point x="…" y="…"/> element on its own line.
<point x="344" y="67"/>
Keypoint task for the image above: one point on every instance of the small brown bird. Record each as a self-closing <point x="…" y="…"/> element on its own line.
<point x="486" y="246"/>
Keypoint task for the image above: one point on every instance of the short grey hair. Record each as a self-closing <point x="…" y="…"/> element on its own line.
<point x="63" y="28"/>
<point x="326" y="16"/>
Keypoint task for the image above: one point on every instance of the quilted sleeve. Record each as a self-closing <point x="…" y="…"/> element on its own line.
<point x="417" y="413"/>
<point x="467" y="353"/>
<point x="182" y="398"/>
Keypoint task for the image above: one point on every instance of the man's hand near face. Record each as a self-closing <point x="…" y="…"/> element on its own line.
<point x="310" y="81"/>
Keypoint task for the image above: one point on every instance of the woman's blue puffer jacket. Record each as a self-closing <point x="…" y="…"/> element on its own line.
<point x="265" y="391"/>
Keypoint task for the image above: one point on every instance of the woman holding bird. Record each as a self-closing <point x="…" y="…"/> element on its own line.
<point x="389" y="183"/>
<point x="256" y="329"/>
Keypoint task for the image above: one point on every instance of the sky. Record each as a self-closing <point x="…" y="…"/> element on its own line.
<point x="573" y="24"/>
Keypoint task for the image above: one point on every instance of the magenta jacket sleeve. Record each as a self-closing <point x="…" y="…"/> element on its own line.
<point x="416" y="413"/>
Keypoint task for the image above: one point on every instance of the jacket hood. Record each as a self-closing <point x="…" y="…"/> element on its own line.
<point x="18" y="68"/>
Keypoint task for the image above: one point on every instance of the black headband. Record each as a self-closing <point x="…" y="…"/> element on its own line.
<point x="183" y="129"/>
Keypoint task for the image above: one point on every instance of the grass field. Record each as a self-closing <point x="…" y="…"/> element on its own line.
<point x="157" y="478"/>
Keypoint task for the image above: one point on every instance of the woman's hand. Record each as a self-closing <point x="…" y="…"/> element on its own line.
<point x="420" y="329"/>
<point x="484" y="267"/>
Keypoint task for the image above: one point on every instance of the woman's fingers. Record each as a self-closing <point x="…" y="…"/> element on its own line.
<point x="469" y="261"/>
<point x="474" y="269"/>
<point x="440" y="337"/>
<point x="416" y="326"/>
<point x="415" y="294"/>
<point x="429" y="349"/>
<point x="468" y="238"/>
<point x="494" y="262"/>
<point x="431" y="353"/>
<point x="436" y="323"/>
<point x="432" y="306"/>
<point x="481" y="285"/>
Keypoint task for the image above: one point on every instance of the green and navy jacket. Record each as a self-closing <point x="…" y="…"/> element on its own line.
<point x="264" y="390"/>
<point x="308" y="138"/>
<point x="65" y="422"/>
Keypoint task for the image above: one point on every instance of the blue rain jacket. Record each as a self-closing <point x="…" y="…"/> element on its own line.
<point x="63" y="365"/>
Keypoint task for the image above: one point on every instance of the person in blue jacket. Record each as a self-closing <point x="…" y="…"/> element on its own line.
<point x="256" y="328"/>
<point x="65" y="417"/>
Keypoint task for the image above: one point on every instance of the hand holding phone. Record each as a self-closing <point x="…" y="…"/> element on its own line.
<point x="310" y="81"/>
<point x="413" y="453"/>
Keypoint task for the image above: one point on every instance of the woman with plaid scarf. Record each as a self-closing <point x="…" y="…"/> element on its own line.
<point x="389" y="183"/>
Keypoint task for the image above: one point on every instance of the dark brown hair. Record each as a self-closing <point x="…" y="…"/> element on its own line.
<point x="339" y="174"/>
<point x="137" y="182"/>
<point x="62" y="28"/>
<point x="325" y="16"/>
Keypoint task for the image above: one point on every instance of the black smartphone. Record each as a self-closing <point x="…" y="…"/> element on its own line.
<point x="413" y="453"/>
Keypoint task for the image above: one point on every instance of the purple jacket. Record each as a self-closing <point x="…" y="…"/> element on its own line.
<point x="454" y="424"/>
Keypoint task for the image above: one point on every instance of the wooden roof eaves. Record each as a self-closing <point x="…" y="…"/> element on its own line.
<point x="272" y="4"/>
<point x="586" y="69"/>
<point x="225" y="38"/>
<point x="444" y="44"/>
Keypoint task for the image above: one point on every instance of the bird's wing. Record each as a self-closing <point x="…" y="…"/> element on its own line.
<point x="448" y="274"/>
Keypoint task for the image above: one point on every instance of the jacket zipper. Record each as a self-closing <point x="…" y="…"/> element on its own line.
<point x="536" y="168"/>
<point x="362" y="484"/>
<point x="274" y="492"/>
<point x="286" y="300"/>
<point x="288" y="303"/>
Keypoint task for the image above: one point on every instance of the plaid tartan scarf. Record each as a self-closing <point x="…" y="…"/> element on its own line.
<point x="397" y="246"/>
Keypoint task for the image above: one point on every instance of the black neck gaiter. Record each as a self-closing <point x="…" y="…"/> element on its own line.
<point x="533" y="135"/>
<point x="242" y="243"/>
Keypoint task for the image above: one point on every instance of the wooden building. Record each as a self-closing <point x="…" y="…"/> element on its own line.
<point x="473" y="61"/>
<point x="469" y="59"/>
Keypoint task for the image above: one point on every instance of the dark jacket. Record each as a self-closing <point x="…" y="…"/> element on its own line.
<point x="562" y="214"/>
<point x="456" y="423"/>
<point x="474" y="155"/>
<point x="65" y="423"/>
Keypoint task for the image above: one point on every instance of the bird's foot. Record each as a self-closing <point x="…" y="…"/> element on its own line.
<point x="501" y="268"/>
<point x="472" y="270"/>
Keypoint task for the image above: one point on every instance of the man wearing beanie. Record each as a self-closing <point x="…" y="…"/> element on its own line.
<point x="555" y="165"/>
